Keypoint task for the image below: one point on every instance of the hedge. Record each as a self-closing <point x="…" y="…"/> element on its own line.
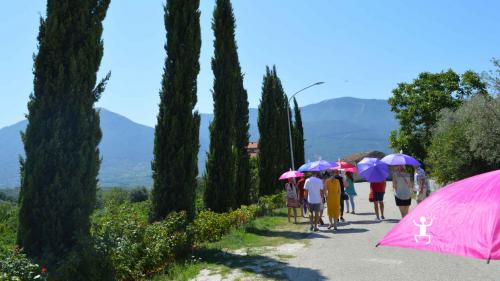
<point x="136" y="249"/>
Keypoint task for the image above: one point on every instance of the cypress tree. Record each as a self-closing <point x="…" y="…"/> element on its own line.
<point x="241" y="127"/>
<point x="298" y="137"/>
<point x="274" y="154"/>
<point x="59" y="171"/>
<point x="177" y="131"/>
<point x="220" y="195"/>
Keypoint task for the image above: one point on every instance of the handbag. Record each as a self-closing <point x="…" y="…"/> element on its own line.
<point x="345" y="196"/>
<point x="371" y="197"/>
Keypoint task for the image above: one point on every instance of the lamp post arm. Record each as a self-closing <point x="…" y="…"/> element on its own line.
<point x="288" y="115"/>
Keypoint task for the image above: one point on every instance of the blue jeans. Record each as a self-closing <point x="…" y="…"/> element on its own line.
<point x="351" y="199"/>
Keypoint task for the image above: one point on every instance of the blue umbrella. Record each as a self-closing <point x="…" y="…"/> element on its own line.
<point x="373" y="170"/>
<point x="305" y="167"/>
<point x="321" y="165"/>
<point x="400" y="159"/>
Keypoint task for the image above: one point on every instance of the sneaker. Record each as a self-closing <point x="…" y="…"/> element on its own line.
<point x="334" y="228"/>
<point x="316" y="229"/>
<point x="342" y="219"/>
<point x="311" y="228"/>
<point x="353" y="213"/>
<point x="383" y="217"/>
<point x="377" y="219"/>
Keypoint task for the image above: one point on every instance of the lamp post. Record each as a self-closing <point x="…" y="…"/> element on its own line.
<point x="288" y="115"/>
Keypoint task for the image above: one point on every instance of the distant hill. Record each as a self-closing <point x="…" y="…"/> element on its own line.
<point x="333" y="128"/>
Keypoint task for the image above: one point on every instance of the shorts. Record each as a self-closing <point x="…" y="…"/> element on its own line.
<point x="401" y="202"/>
<point x="379" y="196"/>
<point x="314" y="207"/>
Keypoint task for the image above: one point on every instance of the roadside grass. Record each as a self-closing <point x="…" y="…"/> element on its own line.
<point x="267" y="231"/>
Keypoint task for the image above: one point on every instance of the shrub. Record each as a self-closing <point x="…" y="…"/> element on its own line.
<point x="210" y="226"/>
<point x="138" y="195"/>
<point x="115" y="196"/>
<point x="138" y="249"/>
<point x="16" y="266"/>
<point x="8" y="226"/>
<point x="267" y="204"/>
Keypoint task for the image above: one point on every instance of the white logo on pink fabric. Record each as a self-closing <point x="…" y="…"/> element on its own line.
<point x="423" y="236"/>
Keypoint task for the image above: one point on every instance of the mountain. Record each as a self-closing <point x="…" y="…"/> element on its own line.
<point x="332" y="128"/>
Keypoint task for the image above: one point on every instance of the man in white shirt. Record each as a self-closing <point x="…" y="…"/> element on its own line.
<point x="314" y="193"/>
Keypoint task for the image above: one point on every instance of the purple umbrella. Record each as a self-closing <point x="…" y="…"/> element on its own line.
<point x="373" y="170"/>
<point x="320" y="165"/>
<point x="400" y="159"/>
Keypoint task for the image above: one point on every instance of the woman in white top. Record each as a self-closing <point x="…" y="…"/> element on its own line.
<point x="401" y="182"/>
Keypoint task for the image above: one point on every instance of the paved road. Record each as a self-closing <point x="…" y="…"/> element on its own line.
<point x="350" y="254"/>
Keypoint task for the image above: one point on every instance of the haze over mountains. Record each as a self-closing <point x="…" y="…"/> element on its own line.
<point x="332" y="128"/>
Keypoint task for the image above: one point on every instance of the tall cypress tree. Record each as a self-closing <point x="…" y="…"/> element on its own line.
<point x="177" y="131"/>
<point x="298" y="137"/>
<point x="220" y="168"/>
<point x="59" y="171"/>
<point x="274" y="154"/>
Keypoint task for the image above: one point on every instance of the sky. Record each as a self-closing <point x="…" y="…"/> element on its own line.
<point x="358" y="48"/>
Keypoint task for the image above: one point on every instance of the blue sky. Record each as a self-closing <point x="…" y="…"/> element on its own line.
<point x="359" y="48"/>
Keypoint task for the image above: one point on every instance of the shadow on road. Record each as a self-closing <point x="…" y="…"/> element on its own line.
<point x="391" y="220"/>
<point x="285" y="234"/>
<point x="268" y="267"/>
<point x="350" y="230"/>
<point x="366" y="222"/>
<point x="365" y="214"/>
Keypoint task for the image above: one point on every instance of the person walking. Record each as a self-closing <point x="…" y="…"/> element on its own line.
<point x="314" y="194"/>
<point x="302" y="198"/>
<point x="351" y="192"/>
<point x="402" y="186"/>
<point x="332" y="191"/>
<point x="378" y="191"/>
<point x="421" y="184"/>
<point x="343" y="195"/>
<point x="292" y="199"/>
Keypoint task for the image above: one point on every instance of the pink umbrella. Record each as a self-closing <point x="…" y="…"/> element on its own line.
<point x="291" y="174"/>
<point x="462" y="218"/>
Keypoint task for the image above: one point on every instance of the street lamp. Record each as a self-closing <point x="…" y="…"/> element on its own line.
<point x="288" y="115"/>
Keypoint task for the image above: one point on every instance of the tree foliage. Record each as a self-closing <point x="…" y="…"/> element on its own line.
<point x="223" y="166"/>
<point x="298" y="137"/>
<point x="241" y="126"/>
<point x="177" y="131"/>
<point x="466" y="142"/>
<point x="417" y="106"/>
<point x="274" y="156"/>
<point x="492" y="77"/>
<point x="59" y="173"/>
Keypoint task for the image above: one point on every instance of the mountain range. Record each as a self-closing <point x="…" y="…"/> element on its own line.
<point x="332" y="128"/>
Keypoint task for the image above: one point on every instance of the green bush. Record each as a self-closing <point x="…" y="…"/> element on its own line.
<point x="267" y="204"/>
<point x="8" y="226"/>
<point x="210" y="226"/>
<point x="124" y="245"/>
<point x="16" y="266"/>
<point x="115" y="196"/>
<point x="138" y="195"/>
<point x="136" y="248"/>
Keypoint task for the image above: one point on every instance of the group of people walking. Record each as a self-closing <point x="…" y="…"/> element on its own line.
<point x="335" y="189"/>
<point x="331" y="188"/>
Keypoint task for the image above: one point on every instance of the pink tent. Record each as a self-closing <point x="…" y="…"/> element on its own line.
<point x="462" y="218"/>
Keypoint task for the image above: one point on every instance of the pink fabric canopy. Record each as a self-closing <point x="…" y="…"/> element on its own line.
<point x="462" y="218"/>
<point x="291" y="174"/>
